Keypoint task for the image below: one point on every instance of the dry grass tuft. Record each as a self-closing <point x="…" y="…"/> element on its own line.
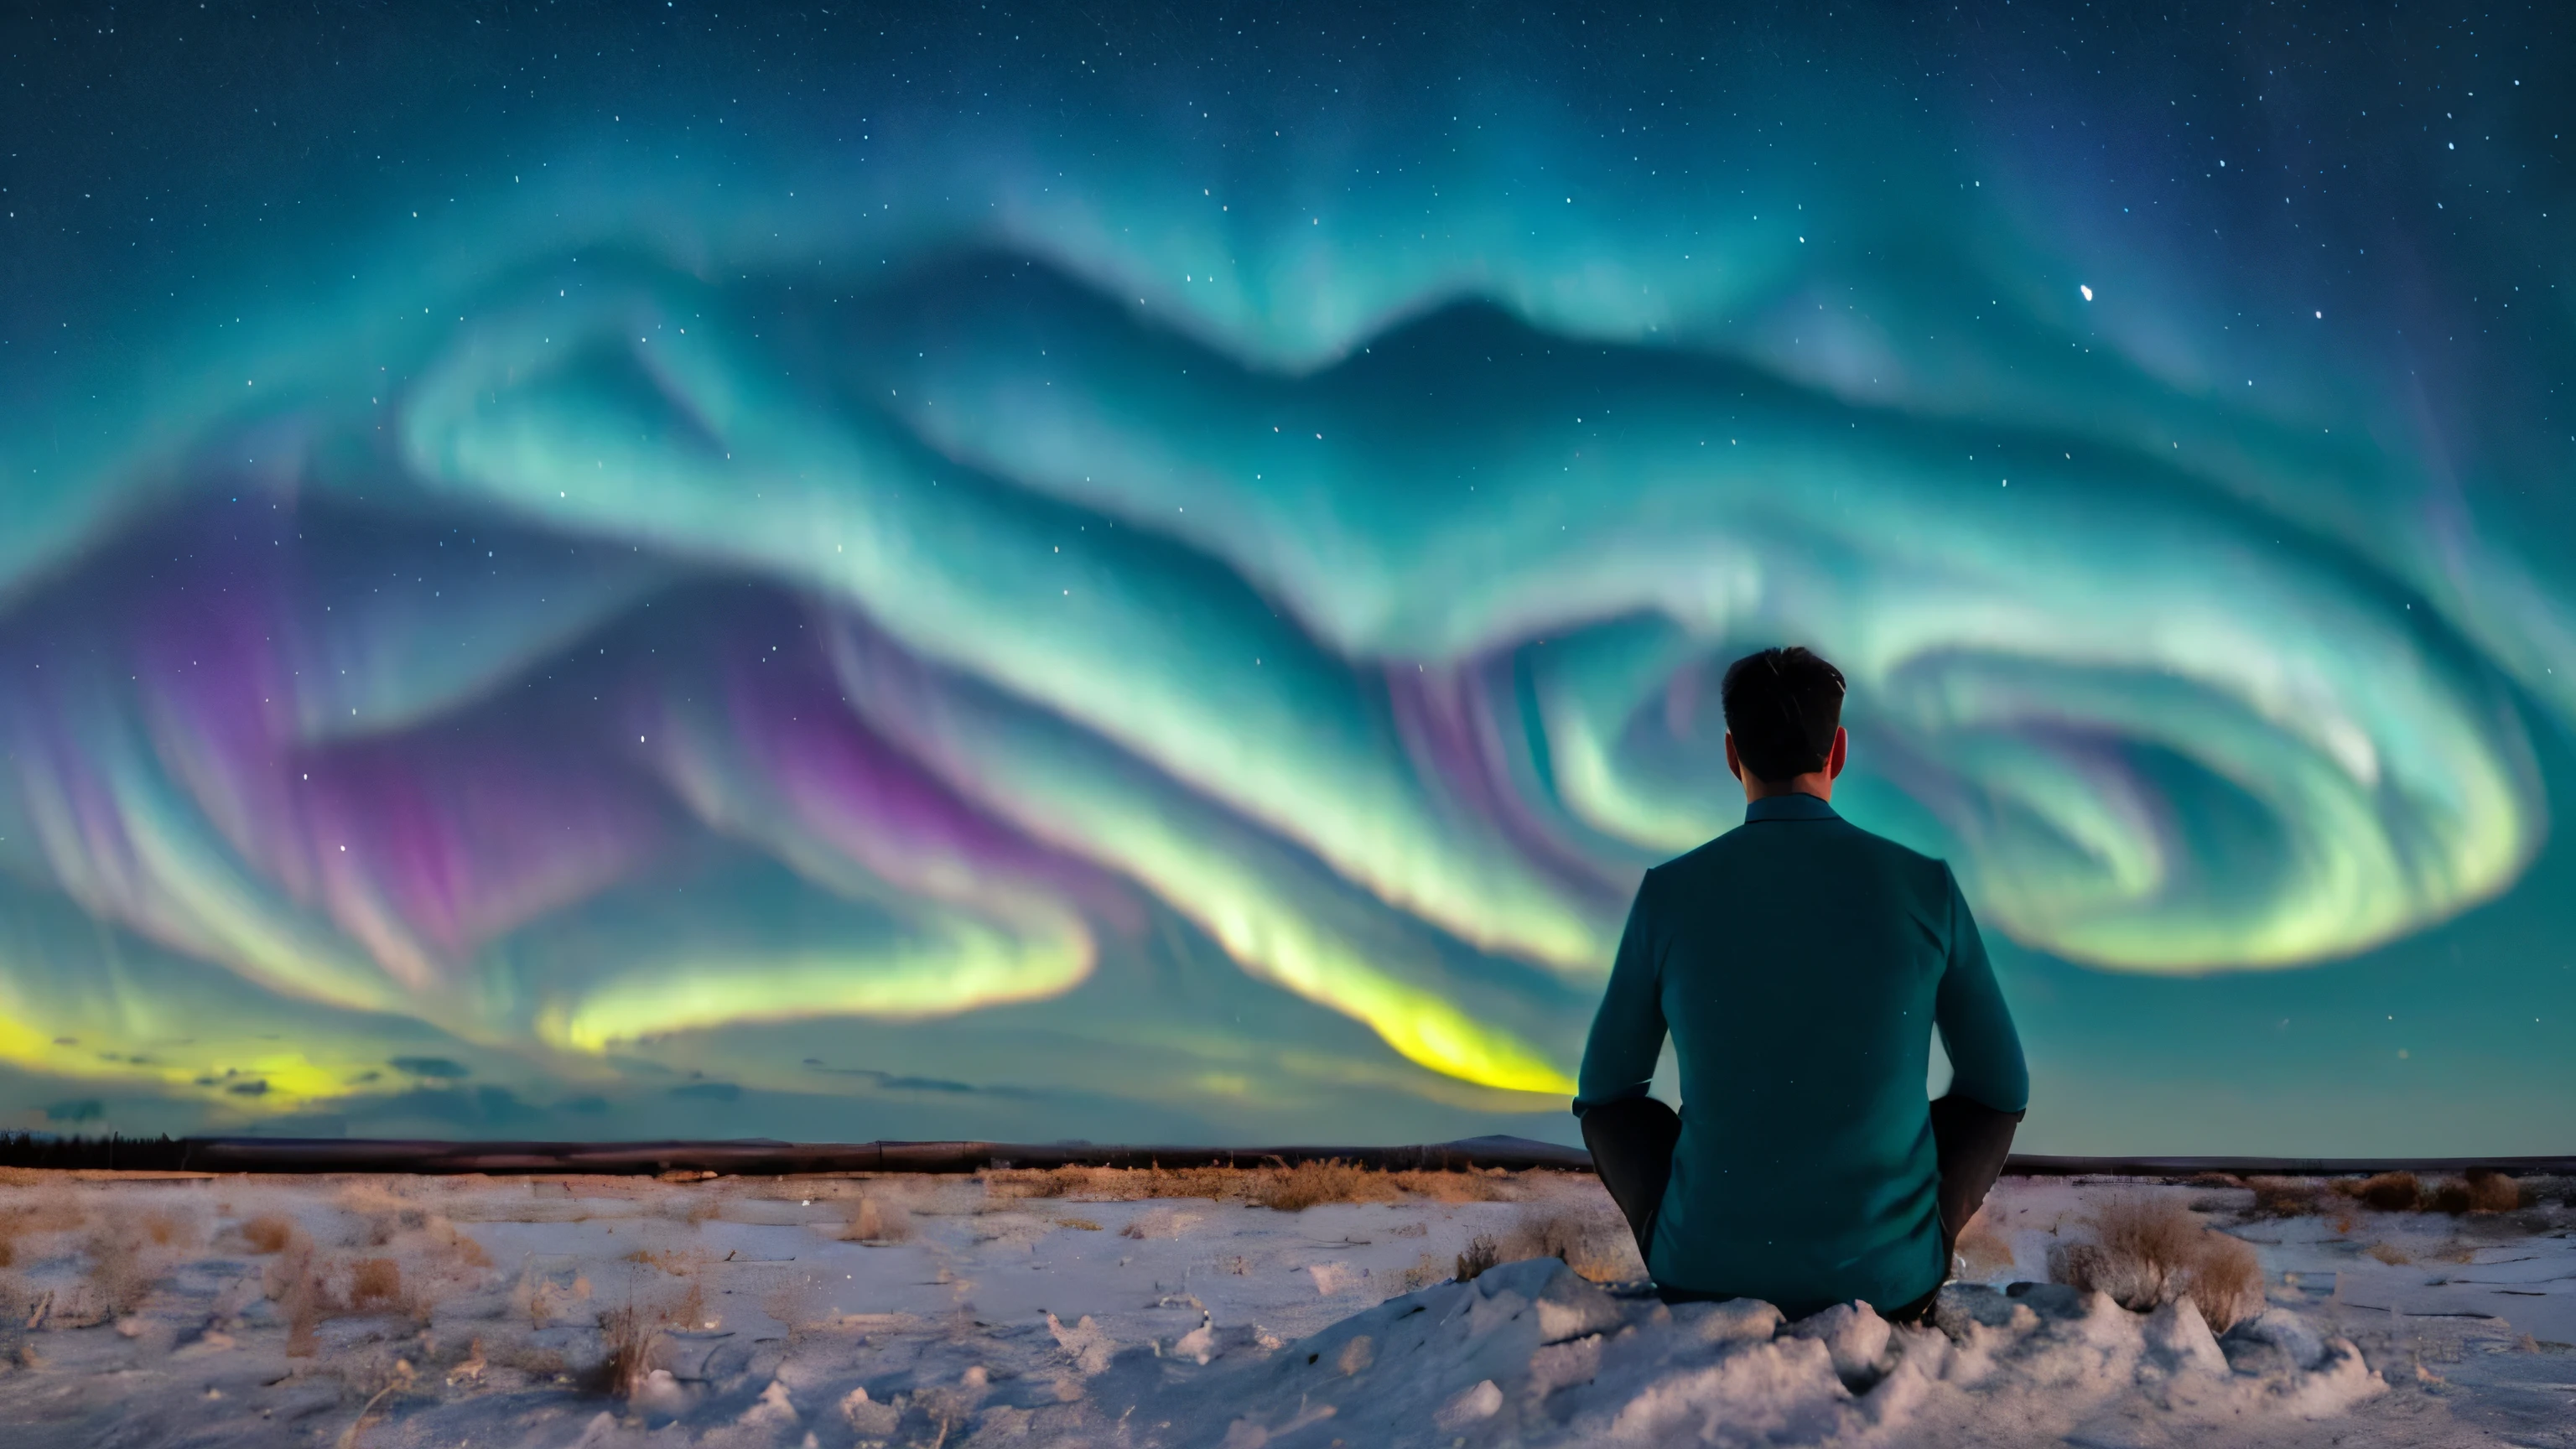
<point x="877" y="1222"/>
<point x="2480" y="1190"/>
<point x="1311" y="1183"/>
<point x="268" y="1233"/>
<point x="2149" y="1252"/>
<point x="1469" y="1186"/>
<point x="303" y="1305"/>
<point x="375" y="1283"/>
<point x="2389" y="1253"/>
<point x="294" y="1282"/>
<point x="56" y="1214"/>
<point x="2284" y="1197"/>
<point x="2493" y="1192"/>
<point x="1482" y="1252"/>
<point x="627" y="1332"/>
<point x="1117" y="1184"/>
<point x="627" y="1336"/>
<point x="2227" y="1279"/>
<point x="1284" y="1188"/>
<point x="168" y="1230"/>
<point x="2390" y="1192"/>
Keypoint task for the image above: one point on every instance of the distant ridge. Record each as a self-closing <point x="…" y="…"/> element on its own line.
<point x="759" y="1157"/>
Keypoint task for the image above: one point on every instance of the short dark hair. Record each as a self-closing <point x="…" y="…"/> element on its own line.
<point x="1782" y="706"/>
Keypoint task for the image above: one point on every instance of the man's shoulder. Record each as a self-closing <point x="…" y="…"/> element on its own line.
<point x="1898" y="855"/>
<point x="1865" y="848"/>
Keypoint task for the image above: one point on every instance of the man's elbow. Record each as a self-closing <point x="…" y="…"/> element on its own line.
<point x="1629" y="1093"/>
<point x="2006" y="1092"/>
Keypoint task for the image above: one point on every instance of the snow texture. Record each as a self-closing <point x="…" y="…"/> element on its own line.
<point x="169" y="1313"/>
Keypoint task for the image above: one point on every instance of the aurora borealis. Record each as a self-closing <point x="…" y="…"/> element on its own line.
<point x="926" y="572"/>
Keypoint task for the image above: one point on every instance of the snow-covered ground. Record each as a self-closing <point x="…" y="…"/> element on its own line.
<point x="388" y="1311"/>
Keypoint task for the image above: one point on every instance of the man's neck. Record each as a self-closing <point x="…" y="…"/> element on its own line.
<point x="1816" y="783"/>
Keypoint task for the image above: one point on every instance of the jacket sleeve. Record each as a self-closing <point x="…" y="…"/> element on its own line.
<point x="1628" y="1030"/>
<point x="1976" y="1027"/>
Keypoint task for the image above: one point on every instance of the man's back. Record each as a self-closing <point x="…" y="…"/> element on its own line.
<point x="1801" y="963"/>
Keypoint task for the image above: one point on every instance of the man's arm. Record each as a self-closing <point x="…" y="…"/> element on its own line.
<point x="1976" y="1028"/>
<point x="1628" y="1030"/>
<point x="1972" y="1127"/>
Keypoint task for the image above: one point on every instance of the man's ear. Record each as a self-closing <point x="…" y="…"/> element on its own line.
<point x="1734" y="766"/>
<point x="1834" y="758"/>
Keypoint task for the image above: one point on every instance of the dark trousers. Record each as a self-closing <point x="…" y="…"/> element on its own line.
<point x="1632" y="1149"/>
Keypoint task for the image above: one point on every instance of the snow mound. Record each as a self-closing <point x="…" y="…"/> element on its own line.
<point x="1529" y="1353"/>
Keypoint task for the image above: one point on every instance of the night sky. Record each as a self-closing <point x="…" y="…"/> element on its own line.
<point x="1150" y="574"/>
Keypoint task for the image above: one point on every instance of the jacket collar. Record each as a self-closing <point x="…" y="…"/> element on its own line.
<point x="1792" y="806"/>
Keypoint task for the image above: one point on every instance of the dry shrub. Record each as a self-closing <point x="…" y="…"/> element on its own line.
<point x="2389" y="1253"/>
<point x="2492" y="1192"/>
<point x="2283" y="1197"/>
<point x="375" y="1283"/>
<point x="2390" y="1192"/>
<point x="2226" y="1282"/>
<point x="2148" y="1252"/>
<point x="1482" y="1252"/>
<point x="303" y="1305"/>
<point x="1010" y="1184"/>
<point x="1013" y="1183"/>
<point x="877" y="1222"/>
<point x="684" y="1309"/>
<point x="2479" y="1190"/>
<point x="168" y="1230"/>
<point x="268" y="1233"/>
<point x="1468" y="1186"/>
<point x="627" y="1332"/>
<point x="1284" y="1188"/>
<point x="1120" y="1184"/>
<point x="294" y="1283"/>
<point x="56" y="1214"/>
<point x="1311" y="1183"/>
<point x="627" y="1336"/>
<point x="689" y="1310"/>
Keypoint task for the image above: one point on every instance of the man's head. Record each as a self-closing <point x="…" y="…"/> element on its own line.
<point x="1784" y="710"/>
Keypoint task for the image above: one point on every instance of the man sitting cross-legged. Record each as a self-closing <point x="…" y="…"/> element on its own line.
<point x="1800" y="964"/>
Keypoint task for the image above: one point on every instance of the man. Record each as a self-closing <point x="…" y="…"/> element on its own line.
<point x="1801" y="965"/>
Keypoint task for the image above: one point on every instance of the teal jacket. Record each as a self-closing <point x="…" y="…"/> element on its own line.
<point x="1801" y="965"/>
